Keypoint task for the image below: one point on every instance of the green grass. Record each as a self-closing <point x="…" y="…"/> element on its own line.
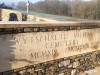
<point x="50" y="16"/>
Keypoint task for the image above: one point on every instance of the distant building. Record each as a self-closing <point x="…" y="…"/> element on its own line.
<point x="5" y="6"/>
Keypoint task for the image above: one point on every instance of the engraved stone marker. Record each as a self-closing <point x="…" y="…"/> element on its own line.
<point x="23" y="49"/>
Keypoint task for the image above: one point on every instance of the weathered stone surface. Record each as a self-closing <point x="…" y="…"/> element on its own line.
<point x="14" y="48"/>
<point x="61" y="74"/>
<point x="73" y="72"/>
<point x="51" y="68"/>
<point x="75" y="64"/>
<point x="5" y="16"/>
<point x="37" y="47"/>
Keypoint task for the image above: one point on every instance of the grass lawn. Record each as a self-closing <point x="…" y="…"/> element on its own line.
<point x="55" y="17"/>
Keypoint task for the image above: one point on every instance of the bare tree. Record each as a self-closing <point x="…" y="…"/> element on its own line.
<point x="74" y="8"/>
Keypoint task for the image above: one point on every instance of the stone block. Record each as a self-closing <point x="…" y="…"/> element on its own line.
<point x="76" y="64"/>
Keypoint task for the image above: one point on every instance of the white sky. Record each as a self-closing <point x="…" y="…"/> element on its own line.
<point x="16" y="1"/>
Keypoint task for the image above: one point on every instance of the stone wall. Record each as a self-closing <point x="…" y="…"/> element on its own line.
<point x="36" y="18"/>
<point x="0" y="15"/>
<point x="69" y="65"/>
<point x="73" y="65"/>
<point x="5" y="15"/>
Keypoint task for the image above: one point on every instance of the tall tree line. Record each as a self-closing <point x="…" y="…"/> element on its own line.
<point x="73" y="8"/>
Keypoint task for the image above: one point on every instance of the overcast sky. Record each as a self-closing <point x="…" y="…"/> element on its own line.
<point x="16" y="1"/>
